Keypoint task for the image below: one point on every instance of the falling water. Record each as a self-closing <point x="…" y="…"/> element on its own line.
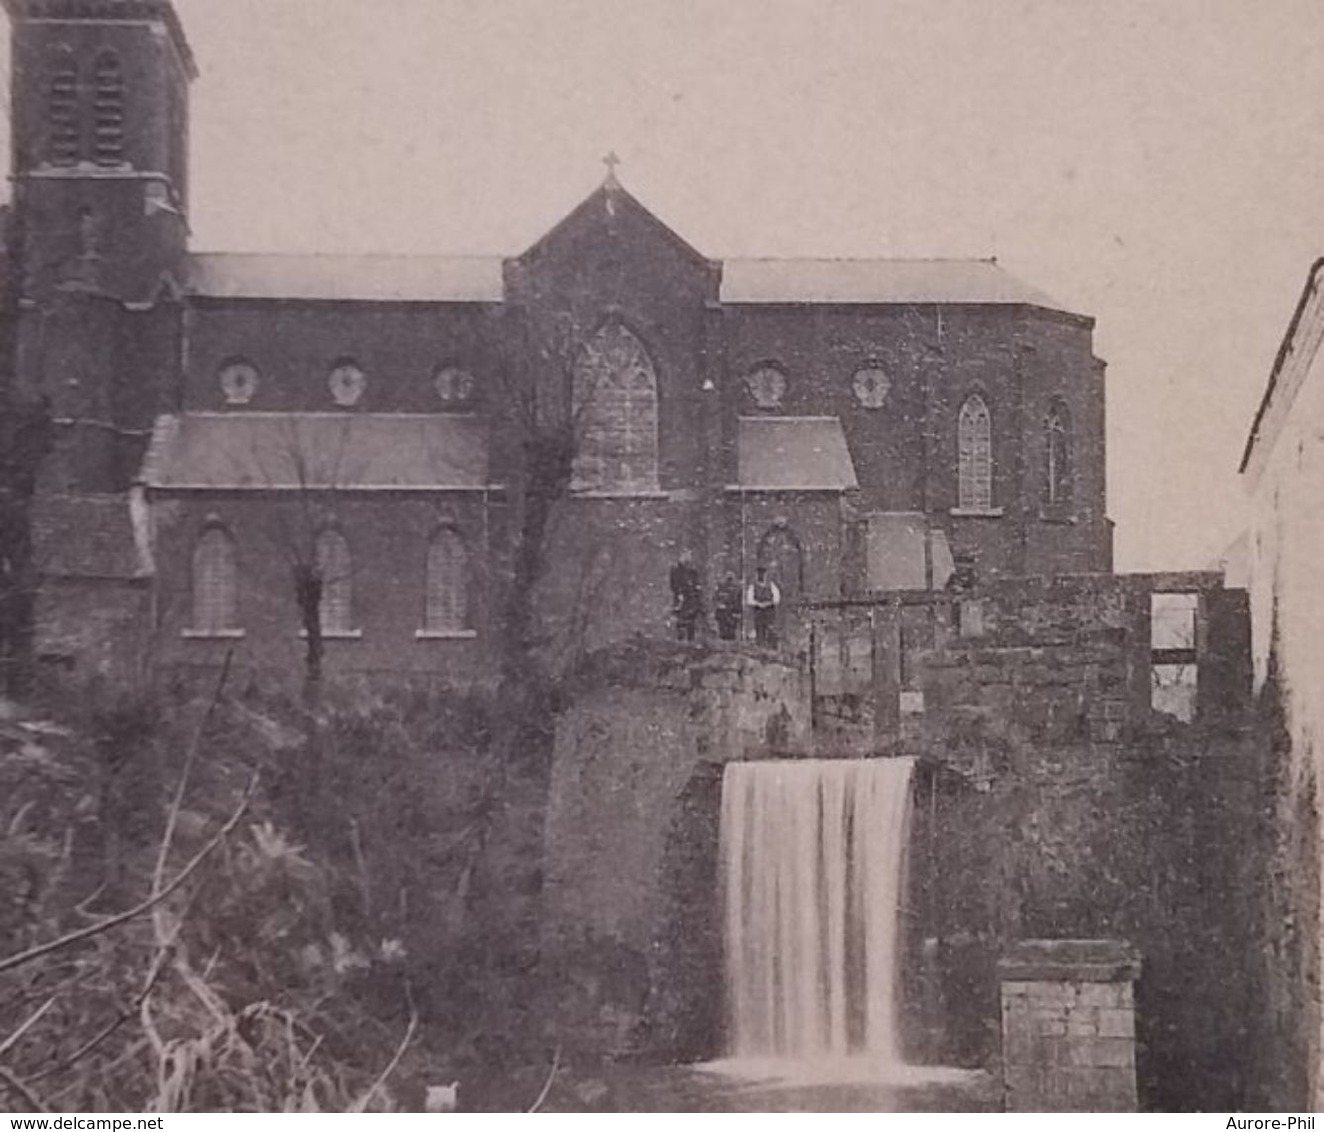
<point x="813" y="866"/>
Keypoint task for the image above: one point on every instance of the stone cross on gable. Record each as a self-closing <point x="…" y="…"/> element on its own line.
<point x="611" y="161"/>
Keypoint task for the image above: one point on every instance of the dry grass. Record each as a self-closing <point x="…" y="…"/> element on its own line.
<point x="178" y="995"/>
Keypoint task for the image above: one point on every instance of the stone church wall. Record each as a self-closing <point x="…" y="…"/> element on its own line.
<point x="294" y="345"/>
<point x="1020" y="360"/>
<point x="388" y="544"/>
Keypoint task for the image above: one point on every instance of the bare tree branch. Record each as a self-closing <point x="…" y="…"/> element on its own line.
<point x="20" y="1089"/>
<point x="12" y="962"/>
<point x="551" y="1076"/>
<point x="158" y="965"/>
<point x="190" y="756"/>
<point x="361" y="1104"/>
<point x="13" y="1039"/>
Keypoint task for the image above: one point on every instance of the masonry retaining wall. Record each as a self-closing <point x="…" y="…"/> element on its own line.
<point x="630" y="883"/>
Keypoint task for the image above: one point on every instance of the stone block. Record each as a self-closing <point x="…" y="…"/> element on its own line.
<point x="1024" y="1086"/>
<point x="1103" y="994"/>
<point x="1017" y="1047"/>
<point x="1098" y="1090"/>
<point x="1102" y="1053"/>
<point x="1102" y="731"/>
<point x="721" y="678"/>
<point x="1052" y="994"/>
<point x="1117" y="1023"/>
<point x="1083" y="1023"/>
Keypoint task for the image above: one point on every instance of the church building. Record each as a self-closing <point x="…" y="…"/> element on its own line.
<point x="854" y="426"/>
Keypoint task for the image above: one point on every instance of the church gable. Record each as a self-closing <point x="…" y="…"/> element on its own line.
<point x="620" y="303"/>
<point x="609" y="240"/>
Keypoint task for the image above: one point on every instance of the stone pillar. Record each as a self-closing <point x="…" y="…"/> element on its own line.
<point x="1068" y="1026"/>
<point x="886" y="623"/>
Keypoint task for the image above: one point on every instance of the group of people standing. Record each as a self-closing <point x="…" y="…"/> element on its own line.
<point x="761" y="597"/>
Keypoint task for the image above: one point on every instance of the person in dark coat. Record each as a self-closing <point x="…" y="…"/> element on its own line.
<point x="763" y="597"/>
<point x="727" y="607"/>
<point x="686" y="597"/>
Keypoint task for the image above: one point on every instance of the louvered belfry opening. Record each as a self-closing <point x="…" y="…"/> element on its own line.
<point x="108" y="110"/>
<point x="63" y="134"/>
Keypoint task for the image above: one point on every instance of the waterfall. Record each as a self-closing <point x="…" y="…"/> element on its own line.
<point x="812" y="867"/>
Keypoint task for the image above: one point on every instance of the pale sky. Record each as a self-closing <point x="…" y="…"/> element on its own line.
<point x="1158" y="164"/>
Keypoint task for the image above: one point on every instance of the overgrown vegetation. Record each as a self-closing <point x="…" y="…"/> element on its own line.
<point x="292" y="942"/>
<point x="26" y="438"/>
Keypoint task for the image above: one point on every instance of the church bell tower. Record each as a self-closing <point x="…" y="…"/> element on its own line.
<point x="99" y="227"/>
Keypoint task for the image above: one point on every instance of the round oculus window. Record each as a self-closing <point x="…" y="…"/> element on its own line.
<point x="767" y="385"/>
<point x="347" y="383"/>
<point x="454" y="386"/>
<point x="238" y="383"/>
<point x="871" y="385"/>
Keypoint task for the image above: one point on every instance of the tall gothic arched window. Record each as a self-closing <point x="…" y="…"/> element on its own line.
<point x="615" y="407"/>
<point x="446" y="598"/>
<point x="974" y="441"/>
<point x="215" y="594"/>
<point x="108" y="110"/>
<point x="336" y="571"/>
<point x="1057" y="456"/>
<point x="63" y="128"/>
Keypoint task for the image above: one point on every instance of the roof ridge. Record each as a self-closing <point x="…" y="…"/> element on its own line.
<point x="420" y="256"/>
<point x="991" y="261"/>
<point x="425" y="257"/>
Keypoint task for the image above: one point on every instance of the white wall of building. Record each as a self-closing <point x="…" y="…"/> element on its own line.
<point x="1284" y="476"/>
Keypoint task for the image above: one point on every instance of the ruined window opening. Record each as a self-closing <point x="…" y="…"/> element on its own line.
<point x="447" y="585"/>
<point x="215" y="595"/>
<point x="62" y="124"/>
<point x="1174" y="657"/>
<point x="335" y="568"/>
<point x="108" y="110"/>
<point x="615" y="406"/>
<point x="974" y="434"/>
<point x="1057" y="454"/>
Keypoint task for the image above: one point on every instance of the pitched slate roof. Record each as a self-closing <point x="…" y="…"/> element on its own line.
<point x="86" y="536"/>
<point x="479" y="279"/>
<point x="380" y="278"/>
<point x="977" y="281"/>
<point x="794" y="454"/>
<point x="342" y="451"/>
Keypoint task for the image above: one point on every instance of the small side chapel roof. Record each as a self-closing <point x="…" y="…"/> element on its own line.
<point x="318" y="451"/>
<point x="794" y="454"/>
